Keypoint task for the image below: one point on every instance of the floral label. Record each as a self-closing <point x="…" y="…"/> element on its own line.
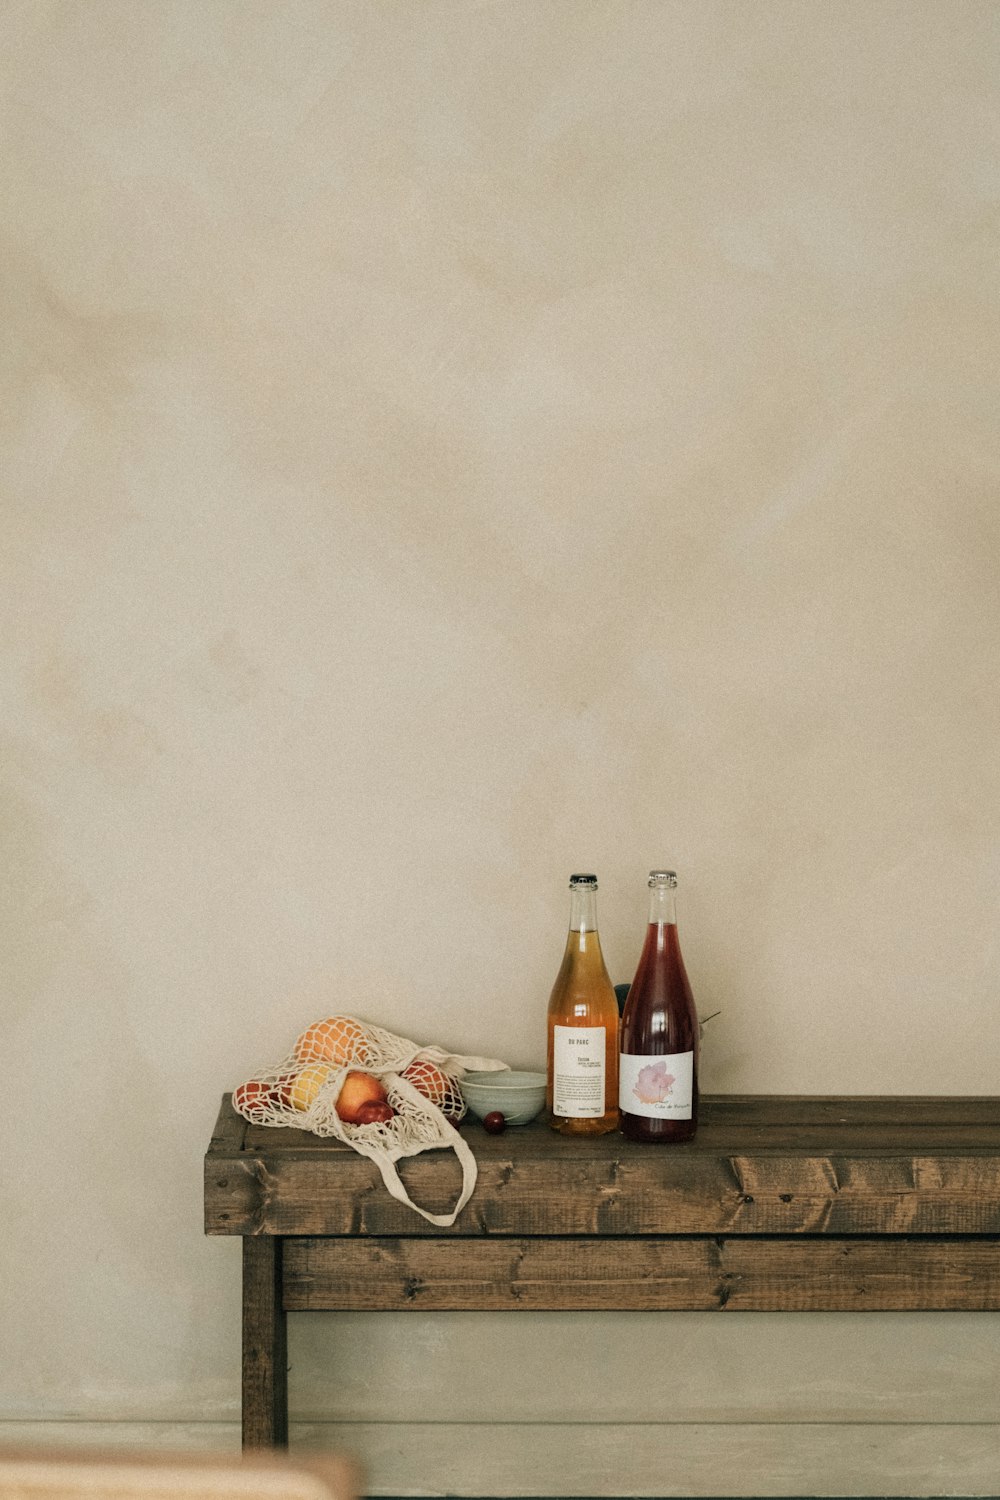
<point x="661" y="1088"/>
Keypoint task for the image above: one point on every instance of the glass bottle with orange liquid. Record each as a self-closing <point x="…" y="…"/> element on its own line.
<point x="583" y="1026"/>
<point x="658" y="1087"/>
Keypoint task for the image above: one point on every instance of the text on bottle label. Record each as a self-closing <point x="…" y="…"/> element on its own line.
<point x="578" y="1071"/>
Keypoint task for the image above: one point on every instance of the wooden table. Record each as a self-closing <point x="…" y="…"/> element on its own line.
<point x="779" y="1204"/>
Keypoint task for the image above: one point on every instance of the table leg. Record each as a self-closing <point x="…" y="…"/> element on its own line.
<point x="265" y="1345"/>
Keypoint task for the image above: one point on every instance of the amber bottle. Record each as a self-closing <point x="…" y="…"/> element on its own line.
<point x="583" y="1026"/>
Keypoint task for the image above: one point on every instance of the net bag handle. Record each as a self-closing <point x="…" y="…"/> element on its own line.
<point x="386" y="1162"/>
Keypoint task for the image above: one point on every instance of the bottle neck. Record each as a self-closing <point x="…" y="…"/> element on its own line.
<point x="582" y="909"/>
<point x="662" y="906"/>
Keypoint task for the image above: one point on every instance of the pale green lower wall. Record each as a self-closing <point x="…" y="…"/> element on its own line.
<point x="684" y="1459"/>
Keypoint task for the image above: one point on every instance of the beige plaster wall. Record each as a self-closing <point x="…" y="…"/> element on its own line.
<point x="446" y="445"/>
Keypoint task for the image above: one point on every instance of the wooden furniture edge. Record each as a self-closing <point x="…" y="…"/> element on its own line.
<point x="681" y="1273"/>
<point x="766" y="1227"/>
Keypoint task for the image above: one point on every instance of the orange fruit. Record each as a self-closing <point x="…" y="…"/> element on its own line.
<point x="435" y="1086"/>
<point x="338" y="1040"/>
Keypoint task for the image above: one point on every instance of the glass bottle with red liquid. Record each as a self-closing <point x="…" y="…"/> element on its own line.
<point x="658" y="1067"/>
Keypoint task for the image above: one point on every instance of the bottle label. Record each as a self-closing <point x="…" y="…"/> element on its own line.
<point x="661" y="1088"/>
<point x="578" y="1072"/>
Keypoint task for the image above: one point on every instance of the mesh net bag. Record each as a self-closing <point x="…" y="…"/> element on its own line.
<point x="419" y="1085"/>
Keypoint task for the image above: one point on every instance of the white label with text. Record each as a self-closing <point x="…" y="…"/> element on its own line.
<point x="578" y="1072"/>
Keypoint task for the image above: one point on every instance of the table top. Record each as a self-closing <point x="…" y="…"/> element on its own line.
<point x="759" y="1165"/>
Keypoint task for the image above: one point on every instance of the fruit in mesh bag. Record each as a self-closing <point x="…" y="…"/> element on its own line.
<point x="375" y="1112"/>
<point x="307" y="1084"/>
<point x="359" y="1093"/>
<point x="257" y="1096"/>
<point x="436" y="1086"/>
<point x="252" y="1095"/>
<point x="338" y="1040"/>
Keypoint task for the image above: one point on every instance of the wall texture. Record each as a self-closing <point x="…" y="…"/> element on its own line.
<point x="446" y="445"/>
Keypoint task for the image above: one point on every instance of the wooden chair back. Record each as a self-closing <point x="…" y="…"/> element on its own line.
<point x="27" y="1474"/>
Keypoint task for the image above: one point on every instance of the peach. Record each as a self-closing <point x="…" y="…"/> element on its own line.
<point x="358" y="1089"/>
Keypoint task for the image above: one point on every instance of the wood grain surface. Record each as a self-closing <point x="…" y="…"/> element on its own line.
<point x="742" y="1275"/>
<point x="779" y="1204"/>
<point x="265" y="1345"/>
<point x="757" y="1166"/>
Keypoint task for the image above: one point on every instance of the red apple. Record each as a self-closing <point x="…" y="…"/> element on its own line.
<point x="374" y="1112"/>
<point x="280" y="1092"/>
<point x="252" y="1095"/>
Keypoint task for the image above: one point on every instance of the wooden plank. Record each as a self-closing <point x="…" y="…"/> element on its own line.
<point x="265" y="1346"/>
<point x="225" y="1146"/>
<point x="537" y="1142"/>
<point x="853" y="1109"/>
<point x="853" y="1118"/>
<point x="651" y="1193"/>
<point x="857" y="1174"/>
<point x="635" y="1275"/>
<point x="230" y="1130"/>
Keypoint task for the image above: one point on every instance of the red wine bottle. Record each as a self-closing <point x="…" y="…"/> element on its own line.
<point x="658" y="1068"/>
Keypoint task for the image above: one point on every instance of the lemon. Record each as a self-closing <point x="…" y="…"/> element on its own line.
<point x="308" y="1084"/>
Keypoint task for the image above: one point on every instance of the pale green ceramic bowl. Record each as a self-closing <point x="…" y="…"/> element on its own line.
<point x="518" y="1096"/>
